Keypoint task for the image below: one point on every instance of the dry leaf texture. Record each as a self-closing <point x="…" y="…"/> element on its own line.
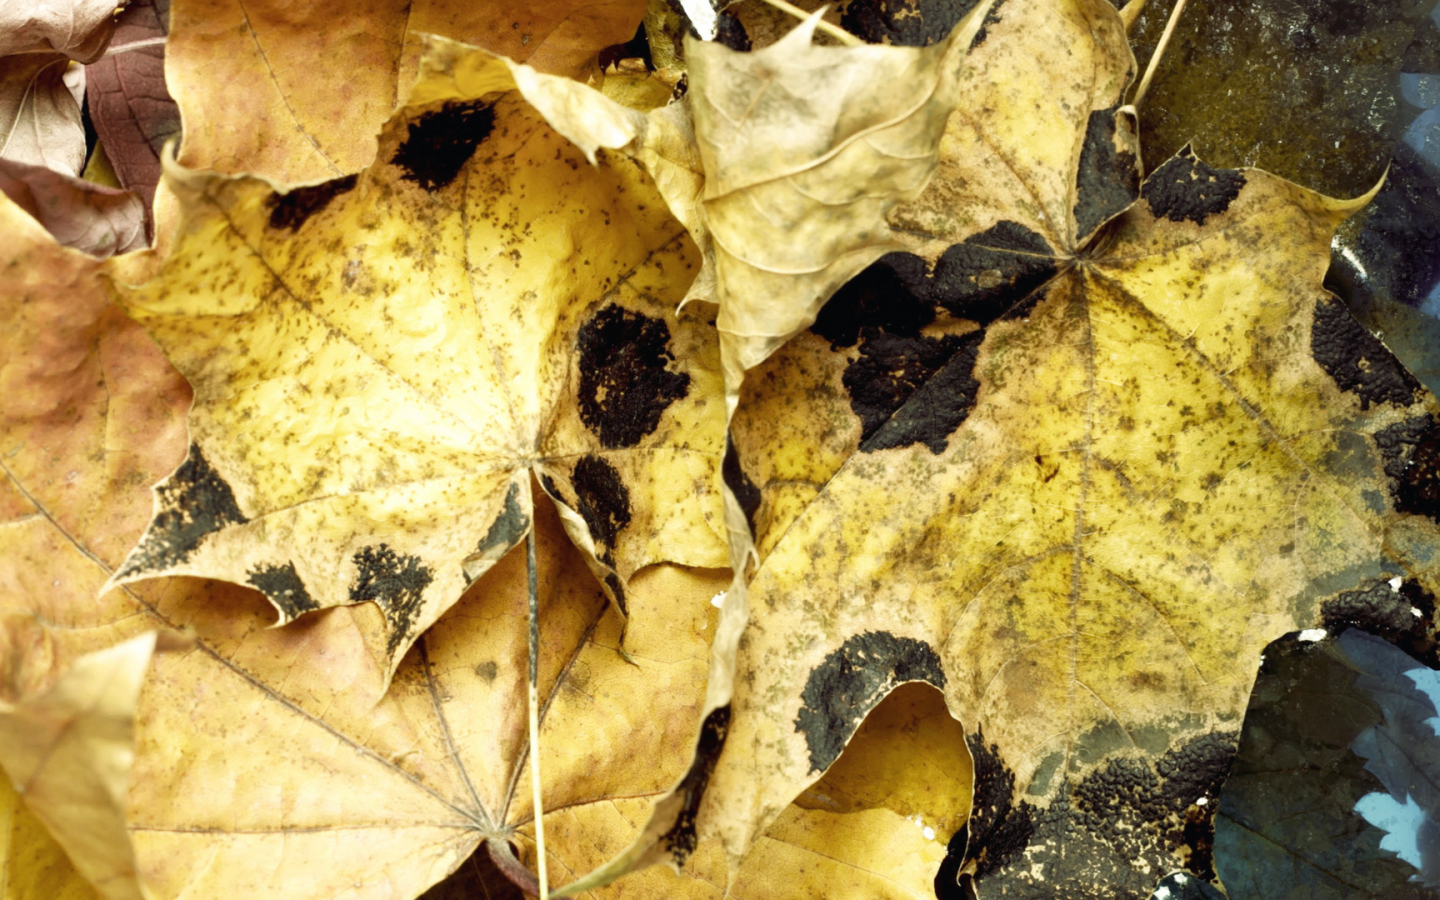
<point x="130" y="107"/>
<point x="1127" y="477"/>
<point x="266" y="761"/>
<point x="97" y="220"/>
<point x="69" y="751"/>
<point x="382" y="361"/>
<point x="805" y="150"/>
<point x="297" y="119"/>
<point x="32" y="865"/>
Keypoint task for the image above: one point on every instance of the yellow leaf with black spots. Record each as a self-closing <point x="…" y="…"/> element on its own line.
<point x="1081" y="516"/>
<point x="382" y="361"/>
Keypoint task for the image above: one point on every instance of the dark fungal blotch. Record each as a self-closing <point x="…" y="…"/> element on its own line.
<point x="907" y="23"/>
<point x="680" y="840"/>
<point x="1187" y="188"/>
<point x="1113" y="826"/>
<point x="913" y="390"/>
<point x="295" y="207"/>
<point x="745" y="491"/>
<point x="1404" y="617"/>
<point x="730" y="32"/>
<point x="1108" y="179"/>
<point x="988" y="274"/>
<point x="194" y="502"/>
<point x="440" y="142"/>
<point x="625" y="381"/>
<point x="889" y="295"/>
<point x="282" y="585"/>
<point x="602" y="500"/>
<point x="843" y="689"/>
<point x="1356" y="359"/>
<point x="509" y="526"/>
<point x="999" y="828"/>
<point x="396" y="583"/>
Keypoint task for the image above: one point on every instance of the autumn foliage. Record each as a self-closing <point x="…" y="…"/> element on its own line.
<point x="889" y="475"/>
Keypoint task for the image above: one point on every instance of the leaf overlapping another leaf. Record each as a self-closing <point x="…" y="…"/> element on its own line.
<point x="380" y="363"/>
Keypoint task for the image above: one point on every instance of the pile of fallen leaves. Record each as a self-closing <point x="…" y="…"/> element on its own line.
<point x="887" y="481"/>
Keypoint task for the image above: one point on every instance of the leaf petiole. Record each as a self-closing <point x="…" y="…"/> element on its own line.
<point x="1159" y="53"/>
<point x="534" y="692"/>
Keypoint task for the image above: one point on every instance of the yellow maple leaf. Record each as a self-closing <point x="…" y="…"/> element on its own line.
<point x="382" y="361"/>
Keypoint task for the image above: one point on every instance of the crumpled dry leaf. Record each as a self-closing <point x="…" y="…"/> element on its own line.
<point x="296" y="122"/>
<point x="40" y="91"/>
<point x="781" y="132"/>
<point x="32" y="865"/>
<point x="78" y="29"/>
<point x="370" y="405"/>
<point x="69" y="751"/>
<point x="40" y="96"/>
<point x="97" y="220"/>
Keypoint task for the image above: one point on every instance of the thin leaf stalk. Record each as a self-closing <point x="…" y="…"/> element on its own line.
<point x="534" y="693"/>
<point x="834" y="31"/>
<point x="1155" y="57"/>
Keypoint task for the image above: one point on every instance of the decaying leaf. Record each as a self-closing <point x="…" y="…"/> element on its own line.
<point x="297" y="121"/>
<point x="40" y="89"/>
<point x="382" y="361"/>
<point x="130" y="106"/>
<point x="267" y="762"/>
<point x="96" y="220"/>
<point x="805" y="150"/>
<point x="40" y="95"/>
<point x="69" y="751"/>
<point x="1128" y="476"/>
<point x="79" y="29"/>
<point x="1130" y="456"/>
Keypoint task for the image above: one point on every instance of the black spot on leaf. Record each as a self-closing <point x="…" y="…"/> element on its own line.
<point x="912" y="390"/>
<point x="730" y="31"/>
<point x="441" y="142"/>
<point x="625" y="386"/>
<point x="843" y="689"/>
<point x="394" y="582"/>
<point x="1187" y="188"/>
<point x="991" y="18"/>
<point x="909" y="23"/>
<point x="1124" y="819"/>
<point x="1404" y="617"/>
<point x="283" y="586"/>
<point x="988" y="274"/>
<point x="617" y="591"/>
<point x="1108" y="179"/>
<point x="889" y="295"/>
<point x="509" y="526"/>
<point x="681" y="839"/>
<point x="194" y="502"/>
<point x="293" y="209"/>
<point x="601" y="498"/>
<point x="999" y="829"/>
<point x="638" y="47"/>
<point x="1357" y="361"/>
<point x="745" y="491"/>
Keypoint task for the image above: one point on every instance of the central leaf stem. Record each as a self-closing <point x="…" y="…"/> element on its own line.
<point x="534" y="692"/>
